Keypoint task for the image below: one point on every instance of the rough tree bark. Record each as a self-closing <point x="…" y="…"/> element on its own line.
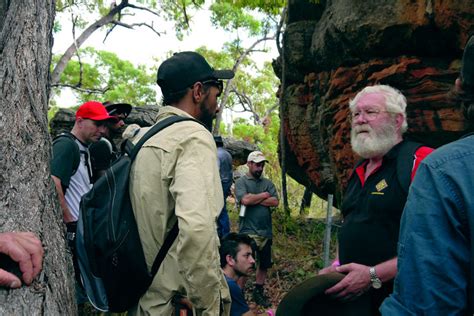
<point x="27" y="198"/>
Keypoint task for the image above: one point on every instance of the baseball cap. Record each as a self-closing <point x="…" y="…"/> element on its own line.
<point x="256" y="156"/>
<point x="183" y="69"/>
<point x="95" y="111"/>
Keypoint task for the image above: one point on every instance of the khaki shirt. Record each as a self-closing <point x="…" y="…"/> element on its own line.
<point x="175" y="177"/>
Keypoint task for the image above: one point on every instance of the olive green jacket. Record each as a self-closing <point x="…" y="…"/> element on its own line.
<point x="175" y="177"/>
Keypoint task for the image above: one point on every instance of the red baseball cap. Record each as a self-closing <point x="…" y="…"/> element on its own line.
<point x="95" y="111"/>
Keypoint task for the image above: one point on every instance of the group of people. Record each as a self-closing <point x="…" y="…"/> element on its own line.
<point x="405" y="243"/>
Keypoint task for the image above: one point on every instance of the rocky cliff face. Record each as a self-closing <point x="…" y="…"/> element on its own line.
<point x="333" y="49"/>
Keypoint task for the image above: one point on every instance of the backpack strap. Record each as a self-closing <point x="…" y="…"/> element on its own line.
<point x="164" y="249"/>
<point x="69" y="135"/>
<point x="405" y="163"/>
<point x="132" y="152"/>
<point x="155" y="129"/>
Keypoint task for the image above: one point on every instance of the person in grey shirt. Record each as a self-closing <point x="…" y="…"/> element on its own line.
<point x="257" y="195"/>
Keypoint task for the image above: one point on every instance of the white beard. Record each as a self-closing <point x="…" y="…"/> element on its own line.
<point x="373" y="143"/>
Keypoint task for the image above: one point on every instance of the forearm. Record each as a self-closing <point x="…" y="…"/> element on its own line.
<point x="270" y="202"/>
<point x="387" y="270"/>
<point x="62" y="200"/>
<point x="254" y="199"/>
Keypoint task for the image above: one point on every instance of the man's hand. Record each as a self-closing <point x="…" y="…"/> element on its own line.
<point x="26" y="249"/>
<point x="354" y="284"/>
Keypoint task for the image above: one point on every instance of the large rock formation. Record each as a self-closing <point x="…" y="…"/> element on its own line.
<point x="333" y="49"/>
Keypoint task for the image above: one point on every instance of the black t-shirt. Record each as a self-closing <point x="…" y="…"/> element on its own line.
<point x="66" y="157"/>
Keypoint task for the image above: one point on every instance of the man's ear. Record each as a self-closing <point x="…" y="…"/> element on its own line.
<point x="399" y="121"/>
<point x="79" y="121"/>
<point x="197" y="92"/>
<point x="230" y="261"/>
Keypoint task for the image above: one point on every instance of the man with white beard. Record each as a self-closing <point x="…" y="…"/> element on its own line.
<point x="375" y="196"/>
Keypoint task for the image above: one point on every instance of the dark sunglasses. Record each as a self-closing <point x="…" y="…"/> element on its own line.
<point x="219" y="84"/>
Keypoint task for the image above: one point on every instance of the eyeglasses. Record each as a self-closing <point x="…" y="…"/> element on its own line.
<point x="369" y="114"/>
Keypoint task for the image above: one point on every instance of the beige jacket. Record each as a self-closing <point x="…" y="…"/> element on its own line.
<point x="175" y="176"/>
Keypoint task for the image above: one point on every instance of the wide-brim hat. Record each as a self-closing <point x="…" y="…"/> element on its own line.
<point x="118" y="108"/>
<point x="308" y="298"/>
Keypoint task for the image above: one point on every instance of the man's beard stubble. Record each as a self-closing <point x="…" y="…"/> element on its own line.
<point x="257" y="174"/>
<point x="375" y="142"/>
<point x="206" y="116"/>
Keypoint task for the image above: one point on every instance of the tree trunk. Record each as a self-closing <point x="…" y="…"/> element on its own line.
<point x="282" y="137"/>
<point x="27" y="198"/>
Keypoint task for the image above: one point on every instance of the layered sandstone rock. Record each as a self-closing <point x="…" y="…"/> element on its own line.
<point x="335" y="48"/>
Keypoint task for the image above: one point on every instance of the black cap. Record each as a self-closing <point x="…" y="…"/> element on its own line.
<point x="118" y="108"/>
<point x="182" y="70"/>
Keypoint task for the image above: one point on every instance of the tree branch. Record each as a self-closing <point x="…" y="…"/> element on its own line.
<point x="142" y="8"/>
<point x="280" y="27"/>
<point x="225" y="95"/>
<point x="78" y="88"/>
<point x="61" y="65"/>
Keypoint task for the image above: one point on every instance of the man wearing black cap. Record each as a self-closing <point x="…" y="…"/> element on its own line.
<point x="175" y="178"/>
<point x="105" y="152"/>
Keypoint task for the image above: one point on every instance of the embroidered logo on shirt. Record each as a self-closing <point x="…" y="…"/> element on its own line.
<point x="380" y="186"/>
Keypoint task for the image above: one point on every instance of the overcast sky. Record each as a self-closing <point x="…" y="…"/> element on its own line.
<point x="142" y="45"/>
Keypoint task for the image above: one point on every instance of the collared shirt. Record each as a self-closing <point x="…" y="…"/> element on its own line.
<point x="258" y="219"/>
<point x="372" y="209"/>
<point x="175" y="177"/>
<point x="435" y="250"/>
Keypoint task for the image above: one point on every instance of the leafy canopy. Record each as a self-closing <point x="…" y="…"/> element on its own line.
<point x="119" y="79"/>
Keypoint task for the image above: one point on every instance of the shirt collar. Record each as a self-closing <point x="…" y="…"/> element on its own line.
<point x="171" y="110"/>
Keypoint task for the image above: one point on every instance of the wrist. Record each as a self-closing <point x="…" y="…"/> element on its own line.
<point x="270" y="313"/>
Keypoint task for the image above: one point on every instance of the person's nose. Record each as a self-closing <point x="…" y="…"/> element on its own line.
<point x="252" y="260"/>
<point x="360" y="119"/>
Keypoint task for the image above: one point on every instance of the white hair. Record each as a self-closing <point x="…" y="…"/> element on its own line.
<point x="395" y="101"/>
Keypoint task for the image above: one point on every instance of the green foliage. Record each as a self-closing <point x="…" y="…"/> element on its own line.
<point x="120" y="79"/>
<point x="272" y="7"/>
<point x="230" y="18"/>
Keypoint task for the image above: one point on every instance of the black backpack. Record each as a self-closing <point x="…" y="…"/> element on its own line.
<point x="109" y="250"/>
<point x="77" y="151"/>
